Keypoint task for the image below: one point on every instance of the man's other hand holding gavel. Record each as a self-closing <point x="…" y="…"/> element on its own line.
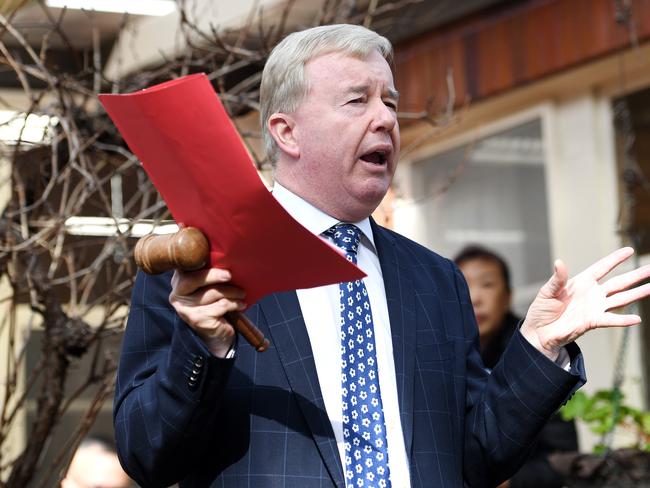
<point x="202" y="299"/>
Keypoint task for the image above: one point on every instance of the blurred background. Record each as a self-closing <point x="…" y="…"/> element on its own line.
<point x="525" y="128"/>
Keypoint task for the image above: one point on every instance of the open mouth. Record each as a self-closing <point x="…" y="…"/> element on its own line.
<point x="375" y="157"/>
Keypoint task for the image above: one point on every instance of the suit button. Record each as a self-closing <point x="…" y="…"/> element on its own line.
<point x="198" y="361"/>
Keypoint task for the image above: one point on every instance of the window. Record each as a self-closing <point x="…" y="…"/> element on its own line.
<point x="493" y="193"/>
<point x="632" y="120"/>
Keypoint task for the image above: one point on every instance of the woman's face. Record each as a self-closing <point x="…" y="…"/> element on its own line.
<point x="489" y="293"/>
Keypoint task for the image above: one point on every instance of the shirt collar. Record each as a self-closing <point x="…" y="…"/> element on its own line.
<point x="313" y="219"/>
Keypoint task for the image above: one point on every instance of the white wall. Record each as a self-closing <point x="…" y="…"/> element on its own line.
<point x="149" y="41"/>
<point x="584" y="205"/>
<point x="582" y="195"/>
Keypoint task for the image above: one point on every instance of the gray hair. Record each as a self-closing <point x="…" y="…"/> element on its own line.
<point x="283" y="80"/>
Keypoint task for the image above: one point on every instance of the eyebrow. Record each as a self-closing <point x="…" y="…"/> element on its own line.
<point x="392" y="93"/>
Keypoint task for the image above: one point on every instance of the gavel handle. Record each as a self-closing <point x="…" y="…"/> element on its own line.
<point x="188" y="250"/>
<point x="248" y="330"/>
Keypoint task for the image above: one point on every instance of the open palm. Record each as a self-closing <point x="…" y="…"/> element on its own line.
<point x="564" y="309"/>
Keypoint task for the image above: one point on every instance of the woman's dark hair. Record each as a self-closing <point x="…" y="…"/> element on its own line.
<point x="474" y="251"/>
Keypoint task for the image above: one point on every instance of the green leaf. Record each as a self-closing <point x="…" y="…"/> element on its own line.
<point x="607" y="395"/>
<point x="600" y="413"/>
<point x="604" y="410"/>
<point x="575" y="407"/>
<point x="645" y="422"/>
<point x="603" y="427"/>
<point x="600" y="449"/>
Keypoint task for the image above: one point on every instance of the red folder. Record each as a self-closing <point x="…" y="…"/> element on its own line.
<point x="196" y="159"/>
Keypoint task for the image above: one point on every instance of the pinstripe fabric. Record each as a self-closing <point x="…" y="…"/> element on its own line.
<point x="259" y="420"/>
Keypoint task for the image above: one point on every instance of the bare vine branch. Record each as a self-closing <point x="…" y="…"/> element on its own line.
<point x="78" y="285"/>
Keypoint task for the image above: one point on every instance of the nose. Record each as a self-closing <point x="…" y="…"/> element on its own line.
<point x="384" y="118"/>
<point x="475" y="298"/>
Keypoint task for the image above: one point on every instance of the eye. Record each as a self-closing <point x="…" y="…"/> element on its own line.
<point x="361" y="99"/>
<point x="390" y="104"/>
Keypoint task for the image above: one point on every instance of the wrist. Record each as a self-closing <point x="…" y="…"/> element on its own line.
<point x="219" y="347"/>
<point x="531" y="335"/>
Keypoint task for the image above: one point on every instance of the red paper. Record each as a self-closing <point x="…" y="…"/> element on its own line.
<point x="195" y="158"/>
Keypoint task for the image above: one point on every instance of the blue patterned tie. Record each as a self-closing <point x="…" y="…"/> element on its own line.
<point x="364" y="431"/>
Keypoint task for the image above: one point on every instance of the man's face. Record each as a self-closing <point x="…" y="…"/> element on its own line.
<point x="346" y="135"/>
<point x="490" y="297"/>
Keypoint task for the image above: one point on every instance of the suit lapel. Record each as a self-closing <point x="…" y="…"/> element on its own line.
<point x="289" y="336"/>
<point x="400" y="296"/>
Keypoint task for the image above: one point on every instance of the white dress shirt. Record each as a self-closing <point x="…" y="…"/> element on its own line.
<point x="320" y="307"/>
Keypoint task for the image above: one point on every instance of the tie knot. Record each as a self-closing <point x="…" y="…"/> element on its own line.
<point x="346" y="237"/>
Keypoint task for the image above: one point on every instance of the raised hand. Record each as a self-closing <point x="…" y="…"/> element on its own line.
<point x="564" y="309"/>
<point x="201" y="299"/>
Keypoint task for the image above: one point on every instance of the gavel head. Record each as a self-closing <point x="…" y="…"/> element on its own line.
<point x="187" y="250"/>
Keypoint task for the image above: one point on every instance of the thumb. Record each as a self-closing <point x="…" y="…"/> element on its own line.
<point x="558" y="281"/>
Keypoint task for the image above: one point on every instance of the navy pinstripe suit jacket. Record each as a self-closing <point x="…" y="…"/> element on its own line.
<point x="259" y="420"/>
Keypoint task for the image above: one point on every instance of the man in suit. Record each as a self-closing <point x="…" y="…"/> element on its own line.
<point x="488" y="280"/>
<point x="372" y="383"/>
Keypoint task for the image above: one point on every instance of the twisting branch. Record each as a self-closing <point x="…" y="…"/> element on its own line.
<point x="79" y="167"/>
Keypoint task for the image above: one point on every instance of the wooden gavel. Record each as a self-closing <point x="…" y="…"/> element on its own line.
<point x="188" y="250"/>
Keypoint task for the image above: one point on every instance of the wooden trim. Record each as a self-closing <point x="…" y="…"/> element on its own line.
<point x="511" y="46"/>
<point x="612" y="76"/>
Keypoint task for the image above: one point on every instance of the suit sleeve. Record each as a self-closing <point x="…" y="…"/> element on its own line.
<point x="506" y="409"/>
<point x="558" y="435"/>
<point x="167" y="390"/>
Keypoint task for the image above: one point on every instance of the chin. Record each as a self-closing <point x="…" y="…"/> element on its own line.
<point x="374" y="192"/>
<point x="361" y="203"/>
<point x="373" y="203"/>
<point x="354" y="211"/>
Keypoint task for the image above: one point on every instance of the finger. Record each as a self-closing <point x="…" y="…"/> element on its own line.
<point x="216" y="332"/>
<point x="626" y="280"/>
<point x="213" y="293"/>
<point x="610" y="319"/>
<point x="220" y="308"/>
<point x="187" y="282"/>
<point x="600" y="268"/>
<point x="206" y="317"/>
<point x="209" y="294"/>
<point x="626" y="297"/>
<point x="558" y="280"/>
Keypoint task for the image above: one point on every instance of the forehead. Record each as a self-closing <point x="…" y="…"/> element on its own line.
<point x="339" y="68"/>
<point x="480" y="266"/>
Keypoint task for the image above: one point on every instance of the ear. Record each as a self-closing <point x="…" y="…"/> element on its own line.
<point x="281" y="127"/>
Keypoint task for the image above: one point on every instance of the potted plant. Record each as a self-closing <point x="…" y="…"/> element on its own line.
<point x="604" y="411"/>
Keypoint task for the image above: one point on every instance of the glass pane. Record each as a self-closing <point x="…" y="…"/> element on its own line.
<point x="632" y="122"/>
<point x="491" y="193"/>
